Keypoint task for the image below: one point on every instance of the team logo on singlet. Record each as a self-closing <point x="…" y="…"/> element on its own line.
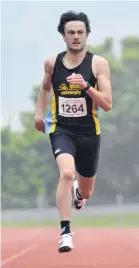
<point x="73" y="89"/>
<point x="74" y="86"/>
<point x="63" y="87"/>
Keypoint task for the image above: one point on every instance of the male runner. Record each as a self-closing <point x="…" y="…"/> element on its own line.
<point x="80" y="83"/>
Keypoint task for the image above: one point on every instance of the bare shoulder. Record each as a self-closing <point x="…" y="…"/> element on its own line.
<point x="98" y="60"/>
<point x="99" y="64"/>
<point x="49" y="64"/>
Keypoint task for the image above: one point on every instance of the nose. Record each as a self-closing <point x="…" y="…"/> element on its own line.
<point x="75" y="35"/>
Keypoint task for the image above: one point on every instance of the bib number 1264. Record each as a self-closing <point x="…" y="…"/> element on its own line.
<point x="71" y="107"/>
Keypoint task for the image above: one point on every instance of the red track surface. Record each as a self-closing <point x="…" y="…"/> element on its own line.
<point x="94" y="248"/>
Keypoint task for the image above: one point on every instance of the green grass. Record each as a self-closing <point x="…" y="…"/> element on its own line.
<point x="130" y="220"/>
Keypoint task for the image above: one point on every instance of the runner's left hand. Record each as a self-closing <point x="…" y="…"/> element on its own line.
<point x="77" y="79"/>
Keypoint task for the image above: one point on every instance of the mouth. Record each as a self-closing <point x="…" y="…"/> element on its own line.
<point x="76" y="43"/>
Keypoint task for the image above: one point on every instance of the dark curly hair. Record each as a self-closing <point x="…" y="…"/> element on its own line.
<point x="73" y="16"/>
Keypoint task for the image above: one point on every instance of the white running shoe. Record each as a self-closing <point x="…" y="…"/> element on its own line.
<point x="78" y="204"/>
<point x="66" y="244"/>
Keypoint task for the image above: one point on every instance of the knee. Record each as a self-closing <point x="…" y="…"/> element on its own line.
<point x="68" y="175"/>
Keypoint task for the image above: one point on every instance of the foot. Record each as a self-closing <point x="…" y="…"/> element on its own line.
<point x="66" y="244"/>
<point x="78" y="204"/>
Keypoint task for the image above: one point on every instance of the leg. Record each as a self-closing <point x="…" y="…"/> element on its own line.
<point x="86" y="186"/>
<point x="66" y="167"/>
<point x="86" y="164"/>
<point x="64" y="151"/>
<point x="83" y="190"/>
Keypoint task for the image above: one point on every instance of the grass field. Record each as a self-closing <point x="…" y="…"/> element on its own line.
<point x="130" y="220"/>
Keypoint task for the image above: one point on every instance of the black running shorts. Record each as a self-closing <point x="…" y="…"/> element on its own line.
<point x="85" y="150"/>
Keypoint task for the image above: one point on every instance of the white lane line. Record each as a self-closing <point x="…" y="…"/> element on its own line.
<point x="21" y="253"/>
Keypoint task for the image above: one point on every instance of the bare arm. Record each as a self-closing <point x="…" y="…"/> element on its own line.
<point x="102" y="97"/>
<point x="45" y="90"/>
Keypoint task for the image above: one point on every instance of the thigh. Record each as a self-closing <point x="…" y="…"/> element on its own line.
<point x="64" y="151"/>
<point x="62" y="143"/>
<point x="87" y="156"/>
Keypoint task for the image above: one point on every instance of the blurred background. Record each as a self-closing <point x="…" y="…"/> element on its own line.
<point x="29" y="174"/>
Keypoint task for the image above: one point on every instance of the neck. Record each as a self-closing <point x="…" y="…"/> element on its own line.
<point x="75" y="56"/>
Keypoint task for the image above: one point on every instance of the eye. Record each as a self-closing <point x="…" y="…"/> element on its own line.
<point x="71" y="32"/>
<point x="80" y="32"/>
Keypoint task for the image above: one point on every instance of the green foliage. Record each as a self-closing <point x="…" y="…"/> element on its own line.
<point x="28" y="166"/>
<point x="131" y="42"/>
<point x="107" y="221"/>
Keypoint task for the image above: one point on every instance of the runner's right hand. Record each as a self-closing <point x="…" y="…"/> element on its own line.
<point x="40" y="124"/>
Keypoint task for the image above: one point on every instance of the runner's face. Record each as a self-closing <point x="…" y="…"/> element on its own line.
<point x="75" y="35"/>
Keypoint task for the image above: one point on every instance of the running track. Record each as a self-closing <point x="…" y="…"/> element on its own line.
<point x="94" y="248"/>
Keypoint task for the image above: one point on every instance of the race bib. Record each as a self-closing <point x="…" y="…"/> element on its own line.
<point x="72" y="107"/>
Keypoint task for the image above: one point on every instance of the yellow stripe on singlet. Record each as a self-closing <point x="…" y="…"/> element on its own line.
<point x="53" y="113"/>
<point x="94" y="114"/>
